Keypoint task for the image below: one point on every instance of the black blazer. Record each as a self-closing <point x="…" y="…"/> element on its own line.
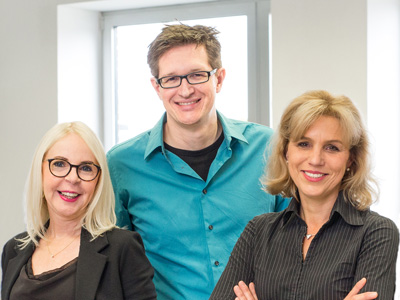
<point x="113" y="266"/>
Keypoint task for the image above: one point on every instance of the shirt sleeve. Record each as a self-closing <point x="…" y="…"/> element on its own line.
<point x="377" y="258"/>
<point x="239" y="267"/>
<point x="121" y="198"/>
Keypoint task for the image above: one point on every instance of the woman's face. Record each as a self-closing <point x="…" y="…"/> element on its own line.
<point x="68" y="197"/>
<point x="318" y="161"/>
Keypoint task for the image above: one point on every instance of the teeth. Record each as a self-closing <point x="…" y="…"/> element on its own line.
<point x="312" y="175"/>
<point x="187" y="103"/>
<point x="69" y="195"/>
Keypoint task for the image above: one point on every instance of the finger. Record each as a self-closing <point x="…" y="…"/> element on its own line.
<point x="357" y="288"/>
<point x="253" y="290"/>
<point x="365" y="296"/>
<point x="238" y="292"/>
<point x="354" y="293"/>
<point x="245" y="289"/>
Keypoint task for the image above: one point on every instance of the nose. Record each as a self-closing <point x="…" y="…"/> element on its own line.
<point x="185" y="89"/>
<point x="316" y="157"/>
<point x="73" y="175"/>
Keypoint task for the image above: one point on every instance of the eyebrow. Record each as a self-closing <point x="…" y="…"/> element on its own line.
<point x="66" y="159"/>
<point x="192" y="71"/>
<point x="329" y="141"/>
<point x="60" y="157"/>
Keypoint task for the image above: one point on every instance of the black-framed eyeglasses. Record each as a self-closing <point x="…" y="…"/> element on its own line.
<point x="169" y="82"/>
<point x="85" y="171"/>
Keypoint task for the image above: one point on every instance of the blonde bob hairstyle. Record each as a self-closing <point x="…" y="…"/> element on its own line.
<point x="301" y="113"/>
<point x="99" y="217"/>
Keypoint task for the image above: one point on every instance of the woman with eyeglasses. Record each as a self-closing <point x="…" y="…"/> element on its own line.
<point x="72" y="248"/>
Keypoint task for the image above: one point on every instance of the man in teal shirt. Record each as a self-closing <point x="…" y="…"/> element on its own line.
<point x="190" y="185"/>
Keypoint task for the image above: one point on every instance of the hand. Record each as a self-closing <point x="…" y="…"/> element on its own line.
<point x="247" y="293"/>
<point x="354" y="293"/>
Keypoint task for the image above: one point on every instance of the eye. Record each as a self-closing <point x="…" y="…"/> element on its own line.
<point x="303" y="144"/>
<point x="332" y="148"/>
<point x="170" y="79"/>
<point x="198" y="75"/>
<point x="87" y="168"/>
<point x="59" y="164"/>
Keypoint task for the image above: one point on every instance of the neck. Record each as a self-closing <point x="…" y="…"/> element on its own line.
<point x="192" y="137"/>
<point x="315" y="215"/>
<point x="316" y="210"/>
<point x="63" y="229"/>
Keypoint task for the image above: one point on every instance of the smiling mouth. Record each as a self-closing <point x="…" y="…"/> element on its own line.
<point x="188" y="103"/>
<point x="69" y="195"/>
<point x="314" y="175"/>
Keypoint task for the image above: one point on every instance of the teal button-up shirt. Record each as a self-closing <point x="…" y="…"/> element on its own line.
<point x="189" y="226"/>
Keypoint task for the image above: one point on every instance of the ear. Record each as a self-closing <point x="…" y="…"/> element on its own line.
<point x="350" y="161"/>
<point x="285" y="154"/>
<point x="220" y="76"/>
<point x="156" y="86"/>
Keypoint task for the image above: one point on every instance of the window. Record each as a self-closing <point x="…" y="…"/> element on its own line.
<point x="131" y="104"/>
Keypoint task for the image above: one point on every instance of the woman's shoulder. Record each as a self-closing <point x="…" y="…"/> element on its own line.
<point x="122" y="236"/>
<point x="121" y="232"/>
<point x="266" y="221"/>
<point x="374" y="220"/>
<point x="268" y="217"/>
<point x="11" y="244"/>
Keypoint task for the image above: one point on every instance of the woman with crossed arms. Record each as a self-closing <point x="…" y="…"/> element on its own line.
<point x="327" y="245"/>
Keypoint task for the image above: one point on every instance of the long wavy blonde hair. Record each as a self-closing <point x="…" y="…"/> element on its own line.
<point x="358" y="185"/>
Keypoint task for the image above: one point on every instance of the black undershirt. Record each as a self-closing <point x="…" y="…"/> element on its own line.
<point x="199" y="160"/>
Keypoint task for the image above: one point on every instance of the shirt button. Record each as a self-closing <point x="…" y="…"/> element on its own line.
<point x="211" y="227"/>
<point x="216" y="263"/>
<point x="205" y="191"/>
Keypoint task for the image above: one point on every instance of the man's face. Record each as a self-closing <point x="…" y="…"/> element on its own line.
<point x="188" y="105"/>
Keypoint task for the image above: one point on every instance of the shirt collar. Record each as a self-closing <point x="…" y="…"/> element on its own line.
<point x="347" y="211"/>
<point x="342" y="207"/>
<point x="156" y="137"/>
<point x="232" y="130"/>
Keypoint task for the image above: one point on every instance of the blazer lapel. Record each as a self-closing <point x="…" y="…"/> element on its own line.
<point x="90" y="266"/>
<point x="14" y="267"/>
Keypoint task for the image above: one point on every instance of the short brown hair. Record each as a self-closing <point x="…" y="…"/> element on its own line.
<point x="179" y="35"/>
<point x="298" y="117"/>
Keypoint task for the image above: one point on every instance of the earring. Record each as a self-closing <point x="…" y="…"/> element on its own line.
<point x="348" y="169"/>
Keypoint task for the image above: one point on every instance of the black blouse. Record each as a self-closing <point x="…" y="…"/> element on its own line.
<point x="60" y="282"/>
<point x="351" y="245"/>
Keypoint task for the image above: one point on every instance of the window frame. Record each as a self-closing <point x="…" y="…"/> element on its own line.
<point x="257" y="12"/>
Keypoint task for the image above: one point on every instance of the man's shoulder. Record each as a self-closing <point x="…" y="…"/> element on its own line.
<point x="249" y="127"/>
<point x="136" y="144"/>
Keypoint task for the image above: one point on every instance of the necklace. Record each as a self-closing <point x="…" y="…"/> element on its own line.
<point x="53" y="255"/>
<point x="308" y="236"/>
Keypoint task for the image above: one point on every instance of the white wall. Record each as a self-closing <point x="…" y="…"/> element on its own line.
<point x="318" y="44"/>
<point x="28" y="97"/>
<point x="384" y="100"/>
<point x="79" y="58"/>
